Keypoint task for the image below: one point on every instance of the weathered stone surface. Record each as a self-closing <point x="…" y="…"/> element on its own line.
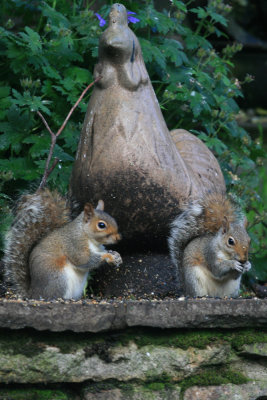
<point x="208" y="313"/>
<point x="252" y="369"/>
<point x="57" y="316"/>
<point x="133" y="364"/>
<point x="44" y="362"/>
<point x="135" y="392"/>
<point x="111" y="394"/>
<point x="249" y="391"/>
<point x="255" y="350"/>
<point x="91" y="316"/>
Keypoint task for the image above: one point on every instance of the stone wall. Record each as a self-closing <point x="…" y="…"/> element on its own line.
<point x="132" y="363"/>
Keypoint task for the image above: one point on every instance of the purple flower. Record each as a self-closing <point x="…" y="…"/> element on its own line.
<point x="102" y="21"/>
<point x="132" y="19"/>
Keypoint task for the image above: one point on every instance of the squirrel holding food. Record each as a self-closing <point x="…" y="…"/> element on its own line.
<point x="209" y="246"/>
<point x="48" y="255"/>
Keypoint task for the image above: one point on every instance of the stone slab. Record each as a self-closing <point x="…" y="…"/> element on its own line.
<point x="94" y="316"/>
<point x="23" y="361"/>
<point x="134" y="392"/>
<point x="250" y="391"/>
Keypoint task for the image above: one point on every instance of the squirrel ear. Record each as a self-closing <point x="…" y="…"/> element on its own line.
<point x="245" y="222"/>
<point x="225" y="225"/>
<point x="88" y="212"/>
<point x="100" y="205"/>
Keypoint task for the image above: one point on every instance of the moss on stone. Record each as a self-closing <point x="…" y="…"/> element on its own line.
<point x="156" y="386"/>
<point x="95" y="387"/>
<point x="135" y="387"/>
<point x="192" y="338"/>
<point x="211" y="376"/>
<point x="25" y="342"/>
<point x="32" y="394"/>
<point x="31" y="343"/>
<point x="248" y="336"/>
<point x="172" y="337"/>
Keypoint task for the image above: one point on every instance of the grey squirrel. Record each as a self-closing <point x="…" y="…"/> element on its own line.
<point x="49" y="255"/>
<point x="209" y="246"/>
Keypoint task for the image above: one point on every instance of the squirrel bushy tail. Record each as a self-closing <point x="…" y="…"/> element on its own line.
<point x="199" y="217"/>
<point x="35" y="216"/>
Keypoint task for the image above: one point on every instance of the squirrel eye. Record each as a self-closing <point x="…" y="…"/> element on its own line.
<point x="101" y="225"/>
<point x="231" y="241"/>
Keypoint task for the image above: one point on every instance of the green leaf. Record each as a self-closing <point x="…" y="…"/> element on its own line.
<point x="55" y="18"/>
<point x="32" y="39"/>
<point x="180" y="5"/>
<point x="151" y="52"/>
<point x="40" y="144"/>
<point x="172" y="50"/>
<point x="193" y="42"/>
<point x="14" y="130"/>
<point x="216" y="144"/>
<point x="51" y="72"/>
<point x="68" y="84"/>
<point x="35" y="103"/>
<point x="259" y="270"/>
<point x="217" y="17"/>
<point x="195" y="102"/>
<point x="20" y="167"/>
<point x="61" y="89"/>
<point x="71" y="136"/>
<point x="79" y="75"/>
<point x="4" y="91"/>
<point x="159" y="22"/>
<point x="10" y="139"/>
<point x="201" y="13"/>
<point x="62" y="155"/>
<point x="5" y="101"/>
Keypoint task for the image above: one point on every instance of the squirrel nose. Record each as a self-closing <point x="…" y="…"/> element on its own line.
<point x="118" y="237"/>
<point x="244" y="259"/>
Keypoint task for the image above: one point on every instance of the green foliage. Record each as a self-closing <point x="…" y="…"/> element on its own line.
<point x="187" y="338"/>
<point x="182" y="339"/>
<point x="211" y="376"/>
<point x="48" y="50"/>
<point x="32" y="394"/>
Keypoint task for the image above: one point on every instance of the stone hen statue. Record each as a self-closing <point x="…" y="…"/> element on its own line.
<point x="126" y="154"/>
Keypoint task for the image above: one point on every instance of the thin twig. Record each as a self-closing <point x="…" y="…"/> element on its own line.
<point x="44" y="121"/>
<point x="47" y="172"/>
<point x="56" y="160"/>
<point x="75" y="105"/>
<point x="54" y="136"/>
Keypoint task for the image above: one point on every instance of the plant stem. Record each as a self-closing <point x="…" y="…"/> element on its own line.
<point x="54" y="136"/>
<point x="75" y="105"/>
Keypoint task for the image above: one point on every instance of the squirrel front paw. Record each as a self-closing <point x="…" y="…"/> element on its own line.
<point x="112" y="257"/>
<point x="246" y="266"/>
<point x="238" y="266"/>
